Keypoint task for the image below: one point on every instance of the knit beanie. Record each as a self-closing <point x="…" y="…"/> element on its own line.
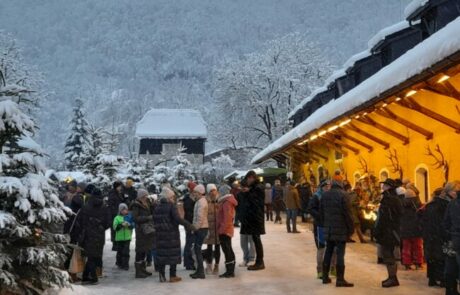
<point x="410" y="193"/>
<point x="400" y="191"/>
<point x="191" y="185"/>
<point x="142" y="193"/>
<point x="200" y="189"/>
<point x="210" y="187"/>
<point x="122" y="207"/>
<point x="224" y="190"/>
<point x="167" y="193"/>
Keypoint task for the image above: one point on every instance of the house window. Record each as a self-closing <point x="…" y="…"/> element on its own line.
<point x="384" y="174"/>
<point x="421" y="182"/>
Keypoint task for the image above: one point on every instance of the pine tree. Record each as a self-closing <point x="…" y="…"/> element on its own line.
<point x="94" y="148"/>
<point x="31" y="252"/>
<point x="76" y="145"/>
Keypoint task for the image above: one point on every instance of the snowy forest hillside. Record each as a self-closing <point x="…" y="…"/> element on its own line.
<point x="122" y="57"/>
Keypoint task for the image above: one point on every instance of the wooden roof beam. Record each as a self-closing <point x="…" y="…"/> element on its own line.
<point x="439" y="89"/>
<point x="357" y="141"/>
<point x="387" y="113"/>
<point x="410" y="103"/>
<point x="383" y="128"/>
<point x="318" y="154"/>
<point x="333" y="147"/>
<point x="363" y="133"/>
<point x="341" y="143"/>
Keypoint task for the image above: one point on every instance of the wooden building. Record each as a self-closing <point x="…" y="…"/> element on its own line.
<point x="395" y="111"/>
<point x="163" y="132"/>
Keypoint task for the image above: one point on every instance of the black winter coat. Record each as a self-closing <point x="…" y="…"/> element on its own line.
<point x="336" y="216"/>
<point x="278" y="198"/>
<point x="410" y="223"/>
<point x="92" y="222"/>
<point x="305" y="196"/>
<point x="142" y="215"/>
<point x="252" y="211"/>
<point x="130" y="195"/>
<point x="166" y="219"/>
<point x="387" y="230"/>
<point x="189" y="205"/>
<point x="452" y="223"/>
<point x="115" y="199"/>
<point x="433" y="233"/>
<point x="75" y="205"/>
<point x="313" y="208"/>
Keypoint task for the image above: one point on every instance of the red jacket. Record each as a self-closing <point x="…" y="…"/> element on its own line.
<point x="226" y="215"/>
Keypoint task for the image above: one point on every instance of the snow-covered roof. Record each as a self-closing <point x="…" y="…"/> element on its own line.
<point x="171" y="123"/>
<point x="382" y="34"/>
<point x="437" y="47"/>
<point x="306" y="100"/>
<point x="413" y="6"/>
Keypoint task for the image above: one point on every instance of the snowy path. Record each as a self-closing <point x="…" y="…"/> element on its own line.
<point x="290" y="262"/>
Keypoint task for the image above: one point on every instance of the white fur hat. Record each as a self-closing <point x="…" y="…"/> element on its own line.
<point x="167" y="193"/>
<point x="200" y="189"/>
<point x="210" y="187"/>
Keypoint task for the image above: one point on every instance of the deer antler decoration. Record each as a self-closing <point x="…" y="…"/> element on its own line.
<point x="440" y="161"/>
<point x="363" y="165"/>
<point x="395" y="165"/>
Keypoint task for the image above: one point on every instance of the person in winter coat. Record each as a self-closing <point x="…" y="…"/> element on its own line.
<point x="434" y="236"/>
<point x="246" y="242"/>
<point x="225" y="229"/>
<point x="252" y="221"/>
<point x="168" y="250"/>
<point x="93" y="221"/>
<point x="451" y="226"/>
<point x="292" y="201"/>
<point x="336" y="219"/>
<point x="318" y="233"/>
<point x="411" y="231"/>
<point x="123" y="228"/>
<point x="305" y="194"/>
<point x="129" y="191"/>
<point x="212" y="240"/>
<point x="268" y="201"/>
<point x="235" y="191"/>
<point x="115" y="198"/>
<point x="278" y="201"/>
<point x="200" y="228"/>
<point x="387" y="229"/>
<point x="142" y="210"/>
<point x="189" y="204"/>
<point x="354" y="201"/>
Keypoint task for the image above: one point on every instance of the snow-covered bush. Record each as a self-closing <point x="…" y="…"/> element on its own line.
<point x="31" y="251"/>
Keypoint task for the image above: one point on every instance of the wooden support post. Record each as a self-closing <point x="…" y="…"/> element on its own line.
<point x="374" y="138"/>
<point x="357" y="141"/>
<point x="381" y="127"/>
<point x="387" y="113"/>
<point x="341" y="143"/>
<point x="411" y="104"/>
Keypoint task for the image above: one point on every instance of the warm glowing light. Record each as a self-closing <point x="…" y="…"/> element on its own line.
<point x="321" y="133"/>
<point x="332" y="128"/>
<point x="303" y="142"/>
<point x="411" y="92"/>
<point x="344" y="122"/>
<point x="313" y="137"/>
<point x="398" y="98"/>
<point x="443" y="78"/>
<point x="357" y="117"/>
<point x="384" y="105"/>
<point x="365" y="114"/>
<point x="369" y="215"/>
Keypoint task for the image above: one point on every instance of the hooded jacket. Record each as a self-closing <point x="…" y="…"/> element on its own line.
<point x="226" y="215"/>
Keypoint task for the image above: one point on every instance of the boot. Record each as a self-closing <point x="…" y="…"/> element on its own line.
<point x="144" y="268"/>
<point x="215" y="271"/>
<point x="140" y="274"/>
<point x="341" y="282"/>
<point x="326" y="279"/>
<point x="162" y="276"/>
<point x="392" y="280"/>
<point x="175" y="279"/>
<point x="230" y="270"/>
<point x="99" y="272"/>
<point x="208" y="268"/>
<point x="74" y="278"/>
<point x="257" y="266"/>
<point x="271" y="216"/>
<point x="199" y="274"/>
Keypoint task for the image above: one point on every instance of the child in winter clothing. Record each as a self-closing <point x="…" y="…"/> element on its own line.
<point x="123" y="226"/>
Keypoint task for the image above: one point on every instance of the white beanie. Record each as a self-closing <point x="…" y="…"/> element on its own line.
<point x="167" y="193"/>
<point x="210" y="187"/>
<point x="400" y="191"/>
<point x="200" y="189"/>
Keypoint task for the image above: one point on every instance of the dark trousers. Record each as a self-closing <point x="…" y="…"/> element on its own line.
<point x="277" y="215"/>
<point x="226" y="244"/>
<point x="339" y="247"/>
<point x="200" y="235"/>
<point x="269" y="211"/>
<point x="123" y="253"/>
<point x="140" y="256"/>
<point x="259" y="249"/>
<point x="236" y="221"/>
<point x="213" y="251"/>
<point x="90" y="268"/>
<point x="291" y="216"/>
<point x="388" y="255"/>
<point x="172" y="270"/>
<point x="188" y="248"/>
<point x="435" y="269"/>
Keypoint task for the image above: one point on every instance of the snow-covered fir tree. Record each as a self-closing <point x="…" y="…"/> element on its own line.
<point x="31" y="252"/>
<point x="106" y="169"/>
<point x="93" y="147"/>
<point x="76" y="146"/>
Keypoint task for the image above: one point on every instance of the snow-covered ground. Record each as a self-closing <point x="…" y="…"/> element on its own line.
<point x="290" y="269"/>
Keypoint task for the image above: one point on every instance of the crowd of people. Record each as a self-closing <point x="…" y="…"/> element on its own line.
<point x="405" y="230"/>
